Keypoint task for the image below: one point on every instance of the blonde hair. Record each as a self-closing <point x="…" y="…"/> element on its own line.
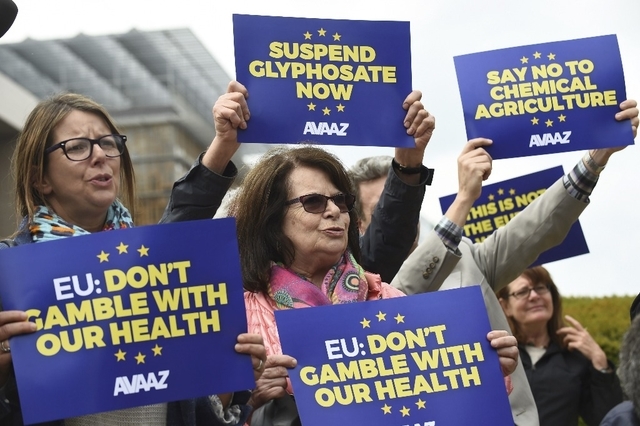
<point x="28" y="163"/>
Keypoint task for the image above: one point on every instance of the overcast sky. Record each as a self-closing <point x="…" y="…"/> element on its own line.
<point x="440" y="30"/>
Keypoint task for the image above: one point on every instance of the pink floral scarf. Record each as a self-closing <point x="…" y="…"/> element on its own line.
<point x="344" y="283"/>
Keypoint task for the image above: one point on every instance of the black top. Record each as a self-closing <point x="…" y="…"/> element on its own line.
<point x="565" y="386"/>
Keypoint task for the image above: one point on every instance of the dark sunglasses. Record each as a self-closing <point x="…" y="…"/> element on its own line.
<point x="317" y="203"/>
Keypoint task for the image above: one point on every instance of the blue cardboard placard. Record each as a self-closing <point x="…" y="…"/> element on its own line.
<point x="328" y="81"/>
<point x="403" y="361"/>
<point x="127" y="318"/>
<point x="545" y="98"/>
<point x="500" y="202"/>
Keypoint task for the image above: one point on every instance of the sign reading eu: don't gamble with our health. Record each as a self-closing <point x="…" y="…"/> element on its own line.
<point x="412" y="360"/>
<point x="327" y="81"/>
<point x="127" y="318"/>
<point x="545" y="98"/>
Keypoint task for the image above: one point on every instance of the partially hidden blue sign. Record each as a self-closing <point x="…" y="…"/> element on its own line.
<point x="403" y="361"/>
<point x="545" y="98"/>
<point x="500" y="202"/>
<point x="127" y="318"/>
<point x="327" y="81"/>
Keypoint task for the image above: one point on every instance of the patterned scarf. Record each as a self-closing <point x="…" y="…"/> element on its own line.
<point x="344" y="283"/>
<point x="48" y="226"/>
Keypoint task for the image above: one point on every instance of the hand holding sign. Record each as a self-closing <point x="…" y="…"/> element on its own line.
<point x="507" y="348"/>
<point x="12" y="323"/>
<point x="253" y="345"/>
<point x="230" y="113"/>
<point x="474" y="167"/>
<point x="274" y="382"/>
<point x="600" y="157"/>
<point x="420" y="124"/>
<point x="629" y="112"/>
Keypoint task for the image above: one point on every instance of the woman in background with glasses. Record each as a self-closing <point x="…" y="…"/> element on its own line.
<point x="568" y="371"/>
<point x="74" y="176"/>
<point x="298" y="240"/>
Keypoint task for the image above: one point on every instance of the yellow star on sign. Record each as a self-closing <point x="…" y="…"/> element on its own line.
<point x="534" y="120"/>
<point x="399" y="318"/>
<point x="562" y="117"/>
<point x="500" y="191"/>
<point x="386" y="409"/>
<point x="120" y="355"/>
<point x="537" y="55"/>
<point x="144" y="251"/>
<point x="311" y="106"/>
<point x="326" y="111"/>
<point x="551" y="56"/>
<point x="307" y="35"/>
<point x="491" y="197"/>
<point x="322" y="32"/>
<point x="122" y="248"/>
<point x="404" y="411"/>
<point x="365" y="323"/>
<point x="420" y="404"/>
<point x="340" y="108"/>
<point x="381" y="316"/>
<point x="157" y="350"/>
<point x="549" y="123"/>
<point x="140" y="358"/>
<point x="104" y="257"/>
<point x="512" y="191"/>
<point x="524" y="60"/>
<point x="336" y="37"/>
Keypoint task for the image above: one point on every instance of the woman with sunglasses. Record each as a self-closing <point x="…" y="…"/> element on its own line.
<point x="74" y="176"/>
<point x="298" y="240"/>
<point x="568" y="371"/>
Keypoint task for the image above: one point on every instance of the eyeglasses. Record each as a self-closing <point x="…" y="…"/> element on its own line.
<point x="317" y="203"/>
<point x="79" y="149"/>
<point x="540" y="289"/>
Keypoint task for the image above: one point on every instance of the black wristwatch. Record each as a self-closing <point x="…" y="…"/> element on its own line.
<point x="413" y="170"/>
<point x="404" y="169"/>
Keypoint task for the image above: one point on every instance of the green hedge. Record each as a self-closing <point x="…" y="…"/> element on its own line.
<point x="606" y="318"/>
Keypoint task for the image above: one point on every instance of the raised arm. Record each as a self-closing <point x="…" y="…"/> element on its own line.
<point x="199" y="193"/>
<point x="546" y="221"/>
<point x="432" y="261"/>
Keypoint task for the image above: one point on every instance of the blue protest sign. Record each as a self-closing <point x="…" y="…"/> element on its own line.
<point x="545" y="98"/>
<point x="334" y="82"/>
<point x="127" y="318"/>
<point x="404" y="361"/>
<point x="500" y="202"/>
